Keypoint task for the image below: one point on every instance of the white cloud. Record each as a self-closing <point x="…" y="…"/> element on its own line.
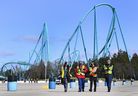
<point x="6" y="54"/>
<point x="32" y="39"/>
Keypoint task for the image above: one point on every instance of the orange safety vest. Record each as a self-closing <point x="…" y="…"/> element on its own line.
<point x="92" y="73"/>
<point x="79" y="73"/>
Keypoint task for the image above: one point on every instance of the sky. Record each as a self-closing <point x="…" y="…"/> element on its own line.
<point x="21" y="22"/>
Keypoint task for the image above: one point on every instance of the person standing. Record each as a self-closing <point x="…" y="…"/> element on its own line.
<point x="80" y="74"/>
<point x="108" y="71"/>
<point x="65" y="75"/>
<point x="93" y="76"/>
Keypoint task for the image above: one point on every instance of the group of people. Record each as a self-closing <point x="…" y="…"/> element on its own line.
<point x="80" y="73"/>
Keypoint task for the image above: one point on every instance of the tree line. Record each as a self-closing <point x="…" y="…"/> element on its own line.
<point x="124" y="67"/>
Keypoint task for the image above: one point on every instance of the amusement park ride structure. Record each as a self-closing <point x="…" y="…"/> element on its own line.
<point x="40" y="53"/>
<point x="71" y="52"/>
<point x="97" y="52"/>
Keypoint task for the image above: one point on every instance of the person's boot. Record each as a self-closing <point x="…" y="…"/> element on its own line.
<point x="79" y="90"/>
<point x="82" y="90"/>
<point x="90" y="90"/>
<point x="94" y="89"/>
<point x="65" y="90"/>
<point x="109" y="89"/>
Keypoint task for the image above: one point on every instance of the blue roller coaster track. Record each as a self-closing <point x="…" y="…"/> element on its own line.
<point x="111" y="34"/>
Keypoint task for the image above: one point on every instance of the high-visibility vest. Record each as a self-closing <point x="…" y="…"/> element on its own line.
<point x="79" y="71"/>
<point x="84" y="69"/>
<point x="108" y="69"/>
<point x="63" y="72"/>
<point x="92" y="73"/>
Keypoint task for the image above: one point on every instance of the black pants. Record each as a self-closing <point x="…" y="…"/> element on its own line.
<point x="65" y="83"/>
<point x="93" y="80"/>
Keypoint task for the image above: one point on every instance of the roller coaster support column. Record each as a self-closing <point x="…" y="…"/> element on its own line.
<point x="45" y="47"/>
